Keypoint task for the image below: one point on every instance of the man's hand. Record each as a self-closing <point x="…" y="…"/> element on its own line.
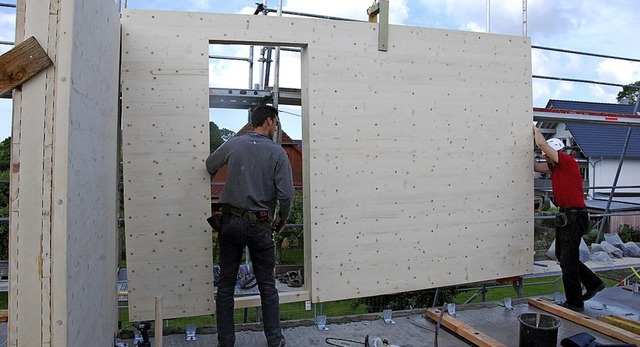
<point x="278" y="224"/>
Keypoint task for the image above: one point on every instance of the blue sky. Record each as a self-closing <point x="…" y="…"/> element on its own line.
<point x="594" y="26"/>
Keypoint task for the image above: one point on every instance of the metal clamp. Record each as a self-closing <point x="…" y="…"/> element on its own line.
<point x="321" y="321"/>
<point x="381" y="7"/>
<point x="190" y="331"/>
<point x="386" y="315"/>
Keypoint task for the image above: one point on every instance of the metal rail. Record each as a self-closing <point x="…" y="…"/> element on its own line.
<point x="570" y="116"/>
<point x="583" y="81"/>
<point x="583" y="53"/>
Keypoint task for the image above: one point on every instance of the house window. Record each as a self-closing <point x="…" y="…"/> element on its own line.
<point x="584" y="172"/>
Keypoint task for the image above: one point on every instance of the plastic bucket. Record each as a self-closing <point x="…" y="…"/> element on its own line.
<point x="543" y="334"/>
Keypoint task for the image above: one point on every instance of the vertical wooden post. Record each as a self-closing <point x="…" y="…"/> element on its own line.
<point x="158" y="326"/>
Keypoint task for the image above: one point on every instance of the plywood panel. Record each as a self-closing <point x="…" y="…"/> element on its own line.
<point x="417" y="160"/>
<point x="85" y="158"/>
<point x="167" y="196"/>
<point x="419" y="170"/>
<point x="30" y="245"/>
<point x="63" y="198"/>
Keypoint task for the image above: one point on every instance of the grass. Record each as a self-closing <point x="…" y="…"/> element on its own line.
<point x="4" y="300"/>
<point x="531" y="288"/>
<point x="292" y="256"/>
<point x="290" y="311"/>
<point x="296" y="311"/>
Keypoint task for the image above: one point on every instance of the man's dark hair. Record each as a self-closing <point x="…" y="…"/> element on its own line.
<point x="260" y="114"/>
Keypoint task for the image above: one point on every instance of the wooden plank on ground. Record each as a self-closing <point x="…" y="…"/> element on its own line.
<point x="4" y="315"/>
<point x="469" y="333"/>
<point x="621" y="322"/>
<point x="584" y="320"/>
<point x="21" y="63"/>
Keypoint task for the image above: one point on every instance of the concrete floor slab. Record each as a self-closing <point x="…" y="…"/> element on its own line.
<point x="411" y="329"/>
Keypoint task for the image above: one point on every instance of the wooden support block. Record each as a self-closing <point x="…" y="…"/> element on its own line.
<point x="4" y="315"/>
<point x="157" y="337"/>
<point x="21" y="63"/>
<point x="373" y="12"/>
<point x="471" y="334"/>
<point x="584" y="320"/>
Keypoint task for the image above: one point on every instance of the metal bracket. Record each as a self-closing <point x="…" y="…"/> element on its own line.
<point x="321" y="321"/>
<point x="451" y="309"/>
<point x="381" y="7"/>
<point x="386" y="315"/>
<point x="190" y="331"/>
<point x="507" y="303"/>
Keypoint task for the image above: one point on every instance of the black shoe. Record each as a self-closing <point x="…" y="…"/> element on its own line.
<point x="572" y="308"/>
<point x="591" y="293"/>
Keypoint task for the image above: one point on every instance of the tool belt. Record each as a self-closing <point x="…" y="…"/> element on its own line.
<point x="254" y="217"/>
<point x="562" y="219"/>
<point x="572" y="209"/>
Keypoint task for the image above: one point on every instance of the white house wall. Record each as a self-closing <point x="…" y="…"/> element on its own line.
<point x="603" y="173"/>
<point x="417" y="161"/>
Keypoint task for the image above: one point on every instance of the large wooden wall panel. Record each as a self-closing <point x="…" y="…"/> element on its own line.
<point x="419" y="168"/>
<point x="417" y="160"/>
<point x="29" y="220"/>
<point x="85" y="176"/>
<point x="167" y="194"/>
<point x="64" y="179"/>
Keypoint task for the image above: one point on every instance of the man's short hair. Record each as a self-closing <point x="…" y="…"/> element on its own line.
<point x="260" y="114"/>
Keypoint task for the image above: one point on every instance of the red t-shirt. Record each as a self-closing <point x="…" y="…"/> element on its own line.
<point x="566" y="182"/>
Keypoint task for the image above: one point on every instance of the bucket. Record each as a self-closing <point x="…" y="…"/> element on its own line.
<point x="544" y="334"/>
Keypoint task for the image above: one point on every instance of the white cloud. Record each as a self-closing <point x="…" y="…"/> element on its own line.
<point x="473" y="26"/>
<point x="619" y="71"/>
<point x="7" y="28"/>
<point x="352" y="9"/>
<point x="5" y="118"/>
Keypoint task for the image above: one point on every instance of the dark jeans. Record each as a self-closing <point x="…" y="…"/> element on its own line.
<point x="574" y="272"/>
<point x="237" y="233"/>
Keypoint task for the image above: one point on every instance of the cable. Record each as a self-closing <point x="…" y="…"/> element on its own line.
<point x="435" y="339"/>
<point x="345" y="340"/>
<point x="291" y="113"/>
<point x="421" y="326"/>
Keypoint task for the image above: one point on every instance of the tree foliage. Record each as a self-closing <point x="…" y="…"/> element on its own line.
<point x="5" y="156"/>
<point x="630" y="93"/>
<point x="405" y="301"/>
<point x="218" y="136"/>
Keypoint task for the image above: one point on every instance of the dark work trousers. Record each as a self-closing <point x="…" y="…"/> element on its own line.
<point x="232" y="239"/>
<point x="574" y="272"/>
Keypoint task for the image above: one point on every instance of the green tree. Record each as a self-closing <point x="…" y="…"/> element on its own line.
<point x="405" y="301"/>
<point x="218" y="136"/>
<point x="5" y="159"/>
<point x="629" y="92"/>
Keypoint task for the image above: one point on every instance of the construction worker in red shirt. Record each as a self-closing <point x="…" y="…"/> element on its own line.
<point x="572" y="221"/>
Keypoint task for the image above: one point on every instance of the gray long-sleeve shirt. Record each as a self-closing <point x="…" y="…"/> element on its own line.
<point x="259" y="174"/>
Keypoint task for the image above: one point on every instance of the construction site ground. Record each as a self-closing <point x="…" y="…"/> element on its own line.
<point x="488" y="323"/>
<point x="490" y="320"/>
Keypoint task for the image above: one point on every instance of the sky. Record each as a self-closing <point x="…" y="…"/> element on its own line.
<point x="605" y="27"/>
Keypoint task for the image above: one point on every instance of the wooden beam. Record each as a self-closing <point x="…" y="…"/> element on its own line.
<point x="621" y="322"/>
<point x="469" y="333"/>
<point x="373" y="12"/>
<point x="21" y="63"/>
<point x="584" y="320"/>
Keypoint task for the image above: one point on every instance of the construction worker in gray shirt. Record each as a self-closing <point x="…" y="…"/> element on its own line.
<point x="259" y="175"/>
